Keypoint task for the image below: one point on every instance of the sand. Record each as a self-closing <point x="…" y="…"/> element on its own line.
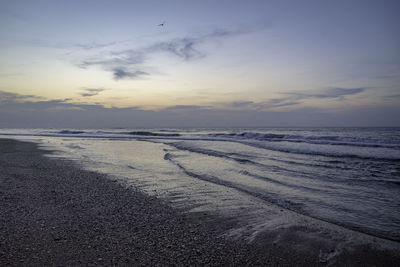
<point x="53" y="213"/>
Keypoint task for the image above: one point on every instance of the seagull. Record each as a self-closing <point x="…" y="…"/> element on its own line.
<point x="161" y="24"/>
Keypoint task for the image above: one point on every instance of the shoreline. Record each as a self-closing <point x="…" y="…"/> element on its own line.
<point x="54" y="213"/>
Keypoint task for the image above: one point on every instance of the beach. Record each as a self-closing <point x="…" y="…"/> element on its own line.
<point x="54" y="213"/>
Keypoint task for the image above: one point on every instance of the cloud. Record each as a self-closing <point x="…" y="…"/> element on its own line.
<point x="328" y="93"/>
<point x="186" y="48"/>
<point x="294" y="98"/>
<point x="262" y="105"/>
<point x="128" y="64"/>
<point x="59" y="113"/>
<point x="123" y="74"/>
<point x="183" y="48"/>
<point x="115" y="59"/>
<point x="122" y="65"/>
<point x="11" y="74"/>
<point x="183" y="108"/>
<point x="94" y="45"/>
<point x="52" y="43"/>
<point x="91" y="91"/>
<point x="395" y="96"/>
<point x="277" y="103"/>
<point x="240" y="104"/>
<point x="11" y="97"/>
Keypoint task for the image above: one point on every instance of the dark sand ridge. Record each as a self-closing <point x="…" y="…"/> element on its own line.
<point x="54" y="213"/>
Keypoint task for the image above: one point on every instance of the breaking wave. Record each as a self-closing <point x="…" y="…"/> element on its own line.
<point x="145" y="133"/>
<point x="71" y="132"/>
<point x="328" y="140"/>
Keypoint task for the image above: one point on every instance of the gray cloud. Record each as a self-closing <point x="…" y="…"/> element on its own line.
<point x="296" y="98"/>
<point x="240" y="104"/>
<point x="128" y="64"/>
<point x="328" y="93"/>
<point x="184" y="48"/>
<point x="262" y="105"/>
<point x="123" y="74"/>
<point x="59" y="113"/>
<point x="276" y="103"/>
<point x="94" y="45"/>
<point x="11" y="74"/>
<point x="394" y="97"/>
<point x="91" y="91"/>
<point x="124" y="58"/>
<point x="11" y="97"/>
<point x="51" y="43"/>
<point x="182" y="108"/>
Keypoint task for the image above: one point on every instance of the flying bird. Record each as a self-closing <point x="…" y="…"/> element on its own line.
<point x="161" y="24"/>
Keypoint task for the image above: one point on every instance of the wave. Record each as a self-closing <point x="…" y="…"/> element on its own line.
<point x="145" y="133"/>
<point x="320" y="140"/>
<point x="71" y="132"/>
<point x="317" y="198"/>
<point x="389" y="182"/>
<point x="350" y="146"/>
<point x="210" y="152"/>
<point x="249" y="135"/>
<point x="239" y="158"/>
<point x="109" y="134"/>
<point x="267" y="196"/>
<point x="72" y="146"/>
<point x="353" y="139"/>
<point x="388" y="154"/>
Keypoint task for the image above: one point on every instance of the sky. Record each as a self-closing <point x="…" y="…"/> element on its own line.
<point x="211" y="64"/>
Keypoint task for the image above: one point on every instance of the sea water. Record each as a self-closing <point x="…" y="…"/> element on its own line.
<point x="345" y="176"/>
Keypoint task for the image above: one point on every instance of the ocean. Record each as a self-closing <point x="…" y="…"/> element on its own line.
<point x="345" y="176"/>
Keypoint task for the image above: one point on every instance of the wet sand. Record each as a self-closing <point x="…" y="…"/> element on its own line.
<point x="54" y="213"/>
